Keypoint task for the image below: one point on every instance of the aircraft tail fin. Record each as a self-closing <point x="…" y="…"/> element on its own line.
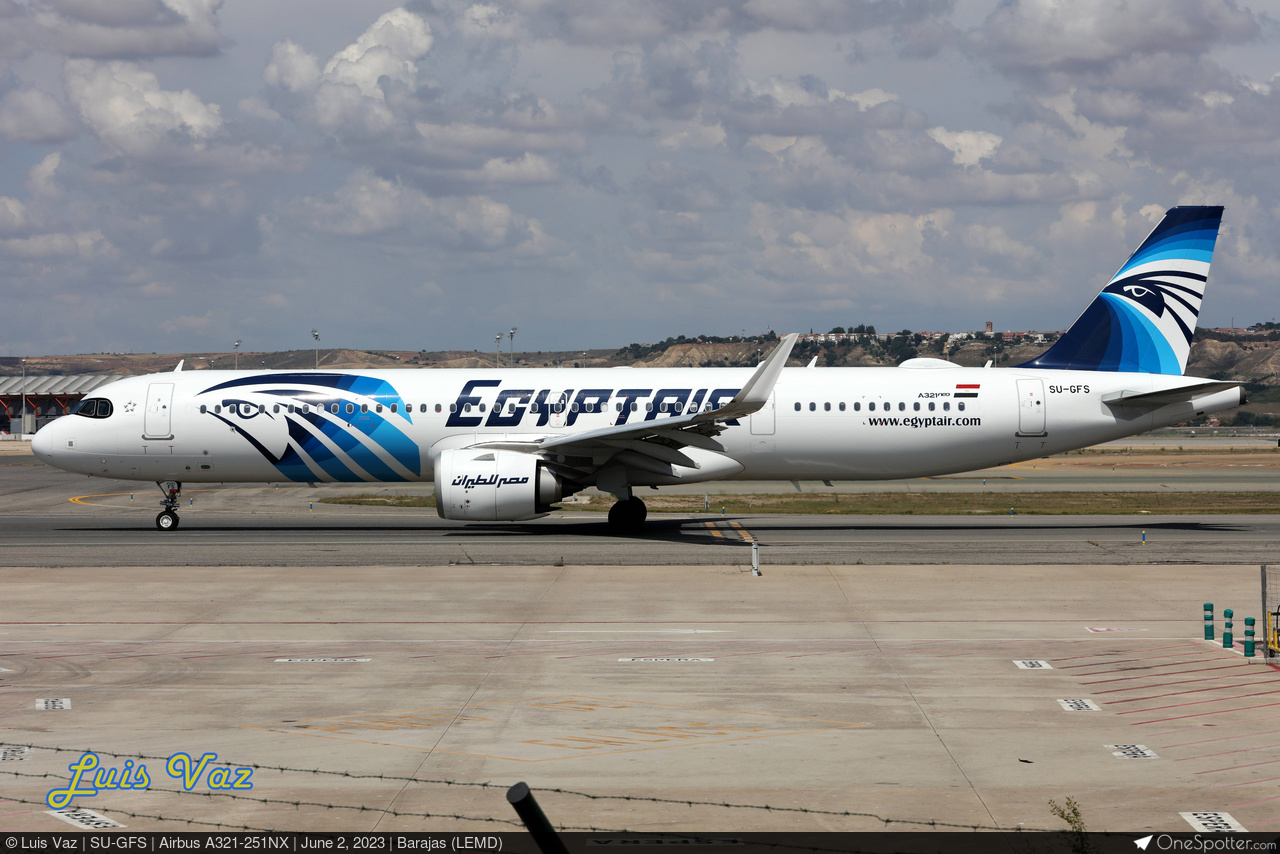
<point x="1144" y="318"/>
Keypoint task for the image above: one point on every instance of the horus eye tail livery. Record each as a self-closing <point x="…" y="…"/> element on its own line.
<point x="1144" y="318"/>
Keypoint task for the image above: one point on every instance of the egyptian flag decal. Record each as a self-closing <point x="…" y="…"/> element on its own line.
<point x="967" y="390"/>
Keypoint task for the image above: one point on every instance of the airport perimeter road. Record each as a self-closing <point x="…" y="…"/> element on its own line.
<point x="55" y="519"/>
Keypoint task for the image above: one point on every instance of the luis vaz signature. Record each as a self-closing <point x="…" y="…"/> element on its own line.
<point x="89" y="776"/>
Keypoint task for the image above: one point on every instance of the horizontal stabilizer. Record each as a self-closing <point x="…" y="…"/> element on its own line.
<point x="1157" y="399"/>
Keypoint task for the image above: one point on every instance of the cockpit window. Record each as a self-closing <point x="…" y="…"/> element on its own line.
<point x="94" y="407"/>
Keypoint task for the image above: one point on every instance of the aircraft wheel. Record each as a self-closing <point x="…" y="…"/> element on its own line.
<point x="167" y="520"/>
<point x="627" y="517"/>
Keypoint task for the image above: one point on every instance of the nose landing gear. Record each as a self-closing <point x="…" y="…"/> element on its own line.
<point x="168" y="518"/>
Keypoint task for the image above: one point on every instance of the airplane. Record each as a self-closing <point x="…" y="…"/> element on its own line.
<point x="506" y="445"/>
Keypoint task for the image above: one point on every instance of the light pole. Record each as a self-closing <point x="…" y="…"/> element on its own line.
<point x="237" y="346"/>
<point x="497" y="350"/>
<point x="315" y="333"/>
<point x="22" y="416"/>
<point x="513" y="345"/>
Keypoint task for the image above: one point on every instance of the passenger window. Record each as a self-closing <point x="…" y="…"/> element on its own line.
<point x="634" y="406"/>
<point x="812" y="406"/>
<point x="842" y="406"/>
<point x="946" y="406"/>
<point x="575" y="407"/>
<point x="960" y="405"/>
<point x="871" y="407"/>
<point x="826" y="407"/>
<point x="931" y="406"/>
<point x="466" y="407"/>
<point x="334" y="409"/>
<point x="275" y="407"/>
<point x="453" y="407"/>
<point x="364" y="408"/>
<point x="648" y="406"/>
<point x="902" y="407"/>
<point x="203" y="409"/>
<point x="617" y="407"/>
<point x="379" y="409"/>
<point x="262" y="409"/>
<point x="916" y="406"/>
<point x="797" y="406"/>
<point x="306" y="409"/>
<point x="395" y="407"/>
<point x="857" y="406"/>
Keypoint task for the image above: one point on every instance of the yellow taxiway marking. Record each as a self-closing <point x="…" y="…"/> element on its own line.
<point x="742" y="532"/>
<point x="715" y="532"/>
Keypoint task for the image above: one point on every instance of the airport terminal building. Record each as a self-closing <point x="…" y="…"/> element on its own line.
<point x="46" y="398"/>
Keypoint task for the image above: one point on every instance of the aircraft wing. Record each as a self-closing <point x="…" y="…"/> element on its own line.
<point x="1157" y="399"/>
<point x="660" y="441"/>
<point x="692" y="429"/>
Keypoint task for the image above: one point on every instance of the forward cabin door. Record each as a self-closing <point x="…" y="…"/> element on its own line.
<point x="157" y="417"/>
<point x="1031" y="408"/>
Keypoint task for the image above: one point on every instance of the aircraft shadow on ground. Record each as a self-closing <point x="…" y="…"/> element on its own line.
<point x="683" y="530"/>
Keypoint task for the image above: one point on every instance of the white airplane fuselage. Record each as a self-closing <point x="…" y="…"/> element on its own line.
<point x="819" y="424"/>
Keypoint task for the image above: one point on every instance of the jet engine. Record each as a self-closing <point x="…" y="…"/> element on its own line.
<point x="478" y="485"/>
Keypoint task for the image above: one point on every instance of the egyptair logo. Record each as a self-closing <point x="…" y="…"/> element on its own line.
<point x="130" y="406"/>
<point x="1160" y="297"/>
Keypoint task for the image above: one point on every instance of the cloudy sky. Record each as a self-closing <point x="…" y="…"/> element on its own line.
<point x="177" y="174"/>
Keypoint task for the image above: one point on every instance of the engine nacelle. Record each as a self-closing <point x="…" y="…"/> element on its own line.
<point x="478" y="485"/>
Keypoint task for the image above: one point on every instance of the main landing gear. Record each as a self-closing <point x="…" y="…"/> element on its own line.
<point x="627" y="516"/>
<point x="168" y="518"/>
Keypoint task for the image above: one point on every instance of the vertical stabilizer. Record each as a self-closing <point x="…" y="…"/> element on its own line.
<point x="1144" y="318"/>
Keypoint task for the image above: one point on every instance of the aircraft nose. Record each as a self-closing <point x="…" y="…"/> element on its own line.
<point x="42" y="443"/>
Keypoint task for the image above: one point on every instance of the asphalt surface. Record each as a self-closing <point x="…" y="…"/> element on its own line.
<point x="56" y="519"/>
<point x="394" y="672"/>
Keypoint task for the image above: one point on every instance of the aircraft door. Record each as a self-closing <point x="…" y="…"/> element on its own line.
<point x="156" y="419"/>
<point x="762" y="421"/>
<point x="1031" y="419"/>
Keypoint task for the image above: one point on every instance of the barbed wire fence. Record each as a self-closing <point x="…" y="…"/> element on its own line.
<point x="298" y="804"/>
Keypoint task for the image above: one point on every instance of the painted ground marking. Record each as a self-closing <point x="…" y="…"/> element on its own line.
<point x="1213" y="822"/>
<point x="1131" y="751"/>
<point x="1079" y="705"/>
<point x="84" y="819"/>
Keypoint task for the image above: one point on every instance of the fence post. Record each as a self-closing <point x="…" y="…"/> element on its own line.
<point x="535" y="820"/>
<point x="1208" y="621"/>
<point x="1228" y="636"/>
<point x="1249" y="651"/>
<point x="755" y="558"/>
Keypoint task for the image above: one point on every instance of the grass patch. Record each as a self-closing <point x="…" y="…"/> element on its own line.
<point x="915" y="503"/>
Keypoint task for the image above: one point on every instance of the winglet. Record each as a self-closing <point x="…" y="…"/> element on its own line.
<point x="180" y="361"/>
<point x="755" y="394"/>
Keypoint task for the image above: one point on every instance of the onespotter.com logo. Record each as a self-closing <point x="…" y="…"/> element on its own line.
<point x="1231" y="841"/>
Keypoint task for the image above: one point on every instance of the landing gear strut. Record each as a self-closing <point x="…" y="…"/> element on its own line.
<point x="627" y="516"/>
<point x="168" y="518"/>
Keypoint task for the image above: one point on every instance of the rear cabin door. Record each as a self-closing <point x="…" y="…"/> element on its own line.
<point x="1031" y="408"/>
<point x="157" y="417"/>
